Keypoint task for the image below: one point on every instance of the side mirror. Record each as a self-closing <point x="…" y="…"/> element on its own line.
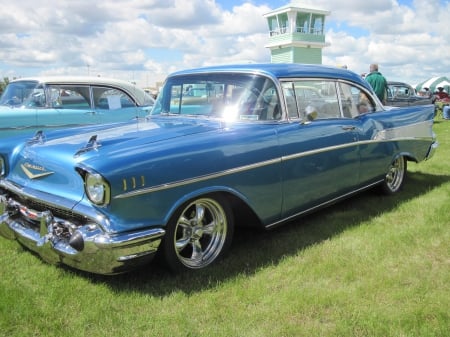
<point x="311" y="113"/>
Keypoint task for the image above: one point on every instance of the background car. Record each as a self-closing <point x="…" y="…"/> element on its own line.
<point x="258" y="145"/>
<point x="402" y="94"/>
<point x="30" y="104"/>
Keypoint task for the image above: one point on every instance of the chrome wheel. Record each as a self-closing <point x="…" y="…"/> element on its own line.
<point x="200" y="234"/>
<point x="395" y="176"/>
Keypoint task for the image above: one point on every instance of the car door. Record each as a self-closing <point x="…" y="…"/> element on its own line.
<point x="320" y="158"/>
<point x="320" y="161"/>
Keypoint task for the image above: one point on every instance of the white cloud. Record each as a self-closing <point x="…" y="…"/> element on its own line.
<point x="405" y="40"/>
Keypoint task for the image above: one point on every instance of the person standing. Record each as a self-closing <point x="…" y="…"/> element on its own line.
<point x="446" y="112"/>
<point x="378" y="82"/>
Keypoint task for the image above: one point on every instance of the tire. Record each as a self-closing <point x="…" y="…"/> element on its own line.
<point x="199" y="233"/>
<point x="395" y="176"/>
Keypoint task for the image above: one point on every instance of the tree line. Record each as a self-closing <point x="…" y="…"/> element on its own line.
<point x="3" y="84"/>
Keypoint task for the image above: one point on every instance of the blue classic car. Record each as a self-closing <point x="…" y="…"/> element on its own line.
<point x="224" y="146"/>
<point x="30" y="104"/>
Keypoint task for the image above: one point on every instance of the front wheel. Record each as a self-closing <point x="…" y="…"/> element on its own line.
<point x="395" y="176"/>
<point x="199" y="233"/>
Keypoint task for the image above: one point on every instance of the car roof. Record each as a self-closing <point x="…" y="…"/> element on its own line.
<point x="397" y="83"/>
<point x="141" y="97"/>
<point x="282" y="70"/>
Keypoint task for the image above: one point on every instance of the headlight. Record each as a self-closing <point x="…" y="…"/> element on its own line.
<point x="97" y="189"/>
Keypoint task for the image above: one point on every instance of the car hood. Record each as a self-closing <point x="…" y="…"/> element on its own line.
<point x="48" y="162"/>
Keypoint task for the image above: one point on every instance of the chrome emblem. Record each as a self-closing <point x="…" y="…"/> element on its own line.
<point x="35" y="171"/>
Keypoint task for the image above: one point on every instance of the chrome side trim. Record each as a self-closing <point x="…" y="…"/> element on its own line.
<point x="174" y="184"/>
<point x="417" y="130"/>
<point x="321" y="150"/>
<point x="156" y="188"/>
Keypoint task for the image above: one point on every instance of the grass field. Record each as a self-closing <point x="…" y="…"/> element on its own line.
<point x="368" y="266"/>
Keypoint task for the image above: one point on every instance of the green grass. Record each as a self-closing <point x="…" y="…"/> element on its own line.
<point x="368" y="266"/>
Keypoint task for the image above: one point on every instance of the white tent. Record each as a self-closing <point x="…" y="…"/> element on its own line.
<point x="433" y="83"/>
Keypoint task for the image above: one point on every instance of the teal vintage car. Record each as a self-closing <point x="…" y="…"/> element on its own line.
<point x="224" y="146"/>
<point x="37" y="103"/>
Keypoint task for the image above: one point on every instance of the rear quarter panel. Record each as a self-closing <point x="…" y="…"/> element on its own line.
<point x="399" y="131"/>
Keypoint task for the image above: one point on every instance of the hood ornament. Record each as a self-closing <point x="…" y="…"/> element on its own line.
<point x="92" y="144"/>
<point x="38" y="138"/>
<point x="34" y="171"/>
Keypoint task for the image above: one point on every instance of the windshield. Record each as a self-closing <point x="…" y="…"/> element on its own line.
<point x="23" y="93"/>
<point x="231" y="96"/>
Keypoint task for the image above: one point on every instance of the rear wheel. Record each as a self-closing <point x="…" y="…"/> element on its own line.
<point x="199" y="233"/>
<point x="395" y="176"/>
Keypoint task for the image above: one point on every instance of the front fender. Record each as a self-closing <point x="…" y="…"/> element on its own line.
<point x="204" y="191"/>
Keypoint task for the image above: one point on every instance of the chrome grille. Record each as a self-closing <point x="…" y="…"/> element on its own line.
<point x="58" y="212"/>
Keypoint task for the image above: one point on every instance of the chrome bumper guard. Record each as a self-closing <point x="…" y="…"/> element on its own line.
<point x="85" y="247"/>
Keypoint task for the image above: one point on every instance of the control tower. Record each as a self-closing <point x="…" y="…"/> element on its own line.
<point x="296" y="34"/>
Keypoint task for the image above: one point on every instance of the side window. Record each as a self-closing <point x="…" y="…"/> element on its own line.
<point x="37" y="98"/>
<point x="403" y="92"/>
<point x="268" y="103"/>
<point x="390" y="91"/>
<point x="354" y="101"/>
<point x="400" y="91"/>
<point x="290" y="100"/>
<point x="111" y="99"/>
<point x="69" y="97"/>
<point x="175" y="97"/>
<point x="312" y="99"/>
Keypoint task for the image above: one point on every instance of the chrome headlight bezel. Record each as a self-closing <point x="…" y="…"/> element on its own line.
<point x="97" y="189"/>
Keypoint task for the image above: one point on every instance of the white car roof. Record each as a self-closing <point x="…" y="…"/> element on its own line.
<point x="140" y="96"/>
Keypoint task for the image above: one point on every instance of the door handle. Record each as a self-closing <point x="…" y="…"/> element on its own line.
<point x="349" y="128"/>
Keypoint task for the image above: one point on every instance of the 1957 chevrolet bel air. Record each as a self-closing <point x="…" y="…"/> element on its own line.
<point x="275" y="141"/>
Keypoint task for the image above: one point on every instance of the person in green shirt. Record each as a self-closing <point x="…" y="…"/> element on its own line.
<point x="378" y="82"/>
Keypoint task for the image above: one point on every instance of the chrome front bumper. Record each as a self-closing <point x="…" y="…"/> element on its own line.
<point x="85" y="247"/>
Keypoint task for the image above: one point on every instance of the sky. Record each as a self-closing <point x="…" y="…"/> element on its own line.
<point x="145" y="40"/>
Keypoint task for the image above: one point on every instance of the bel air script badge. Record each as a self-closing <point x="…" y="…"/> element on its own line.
<point x="35" y="171"/>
